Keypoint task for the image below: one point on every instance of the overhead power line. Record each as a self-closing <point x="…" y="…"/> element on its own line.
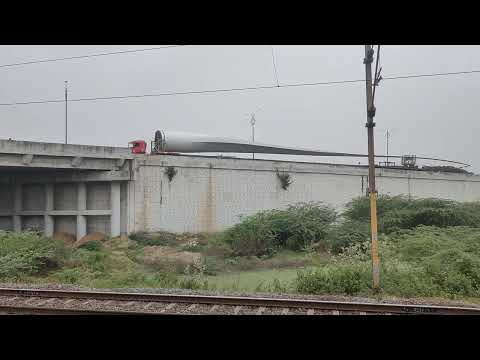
<point x="240" y="89"/>
<point x="89" y="56"/>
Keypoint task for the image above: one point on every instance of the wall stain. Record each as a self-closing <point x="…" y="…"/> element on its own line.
<point x="161" y="191"/>
<point x="209" y="211"/>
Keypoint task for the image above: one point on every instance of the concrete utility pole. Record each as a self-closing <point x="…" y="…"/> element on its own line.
<point x="66" y="118"/>
<point x="371" y="165"/>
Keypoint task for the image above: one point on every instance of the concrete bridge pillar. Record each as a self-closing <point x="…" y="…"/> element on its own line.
<point x="17" y="207"/>
<point x="49" y="206"/>
<point x="115" y="207"/>
<point x="81" y="206"/>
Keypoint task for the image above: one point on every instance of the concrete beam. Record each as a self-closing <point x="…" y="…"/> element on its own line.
<point x="57" y="213"/>
<point x="27" y="159"/>
<point x="67" y="177"/>
<point x="81" y="226"/>
<point x="68" y="150"/>
<point x="57" y="162"/>
<point x="81" y="206"/>
<point x="17" y="206"/>
<point x="49" y="206"/>
<point x="77" y="161"/>
<point x="115" y="207"/>
<point x="120" y="163"/>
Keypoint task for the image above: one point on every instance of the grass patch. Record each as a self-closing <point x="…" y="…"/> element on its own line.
<point x="427" y="261"/>
<point x="255" y="281"/>
<point x="161" y="238"/>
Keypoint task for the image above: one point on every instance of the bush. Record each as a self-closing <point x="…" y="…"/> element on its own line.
<point x="347" y="233"/>
<point x="399" y="212"/>
<point x="28" y="253"/>
<point x="347" y="279"/>
<point x="295" y="228"/>
<point x="359" y="208"/>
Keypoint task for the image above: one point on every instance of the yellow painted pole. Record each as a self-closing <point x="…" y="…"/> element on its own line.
<point x="374" y="226"/>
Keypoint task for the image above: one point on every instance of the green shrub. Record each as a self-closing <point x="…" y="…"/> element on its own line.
<point x="193" y="283"/>
<point x="254" y="235"/>
<point x="295" y="228"/>
<point x="92" y="245"/>
<point x="347" y="233"/>
<point x="359" y="208"/>
<point x="399" y="212"/>
<point x="90" y="259"/>
<point x="27" y="253"/>
<point x="68" y="276"/>
<point x="349" y="279"/>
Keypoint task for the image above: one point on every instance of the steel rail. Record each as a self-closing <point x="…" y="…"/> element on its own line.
<point x="245" y="301"/>
<point x="36" y="310"/>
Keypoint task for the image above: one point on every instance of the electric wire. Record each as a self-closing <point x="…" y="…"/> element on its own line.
<point x="89" y="56"/>
<point x="375" y="82"/>
<point x="239" y="89"/>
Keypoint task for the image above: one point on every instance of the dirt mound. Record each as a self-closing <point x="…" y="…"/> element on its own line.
<point x="96" y="236"/>
<point x="155" y="254"/>
<point x="67" y="238"/>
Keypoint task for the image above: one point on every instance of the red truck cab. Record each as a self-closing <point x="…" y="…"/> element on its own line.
<point x="138" y="146"/>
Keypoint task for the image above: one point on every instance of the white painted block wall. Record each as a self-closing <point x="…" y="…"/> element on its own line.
<point x="209" y="194"/>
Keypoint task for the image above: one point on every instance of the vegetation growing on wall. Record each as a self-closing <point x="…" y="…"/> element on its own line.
<point x="170" y="171"/>
<point x="285" y="179"/>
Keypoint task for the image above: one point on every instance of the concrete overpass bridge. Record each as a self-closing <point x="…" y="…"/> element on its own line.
<point x="52" y="187"/>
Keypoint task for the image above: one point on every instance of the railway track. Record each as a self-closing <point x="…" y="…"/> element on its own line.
<point x="39" y="301"/>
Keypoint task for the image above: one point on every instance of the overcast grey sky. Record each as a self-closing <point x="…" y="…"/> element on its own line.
<point x="435" y="116"/>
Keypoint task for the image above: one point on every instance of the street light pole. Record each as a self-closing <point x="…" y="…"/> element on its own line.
<point x="371" y="166"/>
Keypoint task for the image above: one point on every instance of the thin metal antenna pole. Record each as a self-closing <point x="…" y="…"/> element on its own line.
<point x="252" y="121"/>
<point x="388" y="135"/>
<point x="66" y="112"/>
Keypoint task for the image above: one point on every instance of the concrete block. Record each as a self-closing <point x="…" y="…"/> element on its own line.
<point x="65" y="196"/>
<point x="6" y="223"/>
<point x="33" y="197"/>
<point x="67" y="224"/>
<point x="98" y="196"/>
<point x="32" y="223"/>
<point x="6" y="197"/>
<point x="98" y="224"/>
